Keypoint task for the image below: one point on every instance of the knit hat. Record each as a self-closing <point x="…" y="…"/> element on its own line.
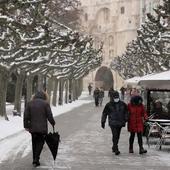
<point x="115" y="94"/>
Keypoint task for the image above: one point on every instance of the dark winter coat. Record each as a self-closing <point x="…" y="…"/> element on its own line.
<point x="101" y="93"/>
<point x="96" y="93"/>
<point x="36" y="114"/>
<point x="137" y="116"/>
<point x="117" y="114"/>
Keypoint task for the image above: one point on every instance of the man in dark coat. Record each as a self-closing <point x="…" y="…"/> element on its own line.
<point x="36" y="114"/>
<point x="96" y="94"/>
<point x="111" y="91"/>
<point x="117" y="113"/>
<point x="90" y="88"/>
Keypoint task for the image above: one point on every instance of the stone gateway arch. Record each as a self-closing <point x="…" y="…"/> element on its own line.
<point x="104" y="78"/>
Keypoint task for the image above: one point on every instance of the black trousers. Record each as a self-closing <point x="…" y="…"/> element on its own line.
<point x="38" y="140"/>
<point x="115" y="136"/>
<point x="96" y="101"/>
<point x="132" y="137"/>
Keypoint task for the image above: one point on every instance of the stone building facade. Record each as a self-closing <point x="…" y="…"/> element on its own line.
<point x="113" y="22"/>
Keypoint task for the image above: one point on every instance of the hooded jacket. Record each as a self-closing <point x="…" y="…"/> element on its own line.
<point x="117" y="114"/>
<point x="137" y="115"/>
<point x="37" y="113"/>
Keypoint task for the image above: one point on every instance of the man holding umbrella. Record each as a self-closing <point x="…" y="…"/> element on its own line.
<point x="36" y="114"/>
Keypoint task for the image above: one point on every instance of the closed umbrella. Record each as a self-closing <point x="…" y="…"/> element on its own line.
<point x="52" y="140"/>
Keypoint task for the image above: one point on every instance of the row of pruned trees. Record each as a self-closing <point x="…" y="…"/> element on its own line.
<point x="150" y="51"/>
<point x="34" y="43"/>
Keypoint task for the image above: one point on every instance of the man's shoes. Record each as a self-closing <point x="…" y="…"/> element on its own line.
<point x="117" y="152"/>
<point x="142" y="151"/>
<point x="35" y="164"/>
<point x="113" y="149"/>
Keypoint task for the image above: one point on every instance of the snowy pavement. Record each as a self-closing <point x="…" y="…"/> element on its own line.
<point x="84" y="146"/>
<point x="13" y="129"/>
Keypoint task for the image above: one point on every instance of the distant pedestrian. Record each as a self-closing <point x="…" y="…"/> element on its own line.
<point x="122" y="90"/>
<point x="36" y="114"/>
<point x="101" y="96"/>
<point x="90" y="88"/>
<point x="111" y="90"/>
<point x="96" y="94"/>
<point x="137" y="116"/>
<point x="117" y="113"/>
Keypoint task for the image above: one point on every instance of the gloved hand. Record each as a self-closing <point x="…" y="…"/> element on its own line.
<point x="103" y="125"/>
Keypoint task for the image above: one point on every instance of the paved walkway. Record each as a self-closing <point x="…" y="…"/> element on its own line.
<point x="86" y="146"/>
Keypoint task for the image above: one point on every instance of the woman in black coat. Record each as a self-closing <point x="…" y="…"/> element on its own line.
<point x="36" y="114"/>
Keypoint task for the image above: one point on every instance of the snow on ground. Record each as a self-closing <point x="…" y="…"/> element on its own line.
<point x="14" y="128"/>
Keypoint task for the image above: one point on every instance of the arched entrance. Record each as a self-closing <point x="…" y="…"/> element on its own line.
<point x="104" y="78"/>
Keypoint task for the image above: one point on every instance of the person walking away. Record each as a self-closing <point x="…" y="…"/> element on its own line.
<point x="36" y="114"/>
<point x="137" y="116"/>
<point x="101" y="96"/>
<point x="117" y="113"/>
<point x="89" y="88"/>
<point x="96" y="96"/>
<point x="122" y="90"/>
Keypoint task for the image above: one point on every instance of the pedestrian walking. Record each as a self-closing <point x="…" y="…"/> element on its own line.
<point x="96" y="96"/>
<point x="111" y="90"/>
<point x="117" y="113"/>
<point x="122" y="90"/>
<point x="36" y="114"/>
<point x="137" y="116"/>
<point x="90" y="88"/>
<point x="101" y="96"/>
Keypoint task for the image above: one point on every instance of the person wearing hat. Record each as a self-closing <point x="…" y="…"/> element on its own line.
<point x="117" y="113"/>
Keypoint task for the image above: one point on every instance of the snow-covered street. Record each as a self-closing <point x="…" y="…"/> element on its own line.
<point x="13" y="130"/>
<point x="84" y="145"/>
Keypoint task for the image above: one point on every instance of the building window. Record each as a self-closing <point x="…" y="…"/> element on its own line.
<point x="106" y="14"/>
<point x="110" y="40"/>
<point x="111" y="53"/>
<point x="86" y="17"/>
<point x="122" y="10"/>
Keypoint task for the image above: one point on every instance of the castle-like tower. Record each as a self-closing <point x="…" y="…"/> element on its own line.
<point x="115" y="23"/>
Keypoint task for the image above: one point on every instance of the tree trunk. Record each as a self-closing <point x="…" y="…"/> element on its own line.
<point x="4" y="76"/>
<point x="40" y="82"/>
<point x="76" y="89"/>
<point x="29" y="88"/>
<point x="60" y="99"/>
<point x="18" y="93"/>
<point x="54" y="100"/>
<point x="80" y="84"/>
<point x="70" y="96"/>
<point x="73" y="90"/>
<point x="49" y="88"/>
<point x="66" y="91"/>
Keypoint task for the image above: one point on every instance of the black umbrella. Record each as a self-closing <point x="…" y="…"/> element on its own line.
<point x="52" y="140"/>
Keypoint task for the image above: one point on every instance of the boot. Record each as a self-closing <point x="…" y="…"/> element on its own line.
<point x="142" y="150"/>
<point x="117" y="152"/>
<point x="113" y="149"/>
<point x="131" y="148"/>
